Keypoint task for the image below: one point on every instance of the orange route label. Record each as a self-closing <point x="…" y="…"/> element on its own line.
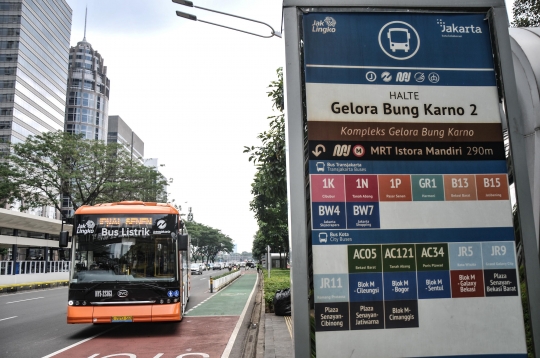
<point x="395" y="188"/>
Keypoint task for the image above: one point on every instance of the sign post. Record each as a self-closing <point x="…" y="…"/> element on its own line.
<point x="411" y="227"/>
<point x="269" y="259"/>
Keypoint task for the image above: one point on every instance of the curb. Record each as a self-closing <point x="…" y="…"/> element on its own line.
<point x="31" y="286"/>
<point x="262" y="331"/>
<point x="253" y="337"/>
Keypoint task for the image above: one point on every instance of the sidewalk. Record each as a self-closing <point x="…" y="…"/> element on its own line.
<point x="277" y="336"/>
<point x="274" y="338"/>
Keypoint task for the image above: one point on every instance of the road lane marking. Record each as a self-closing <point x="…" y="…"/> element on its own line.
<point x="192" y="308"/>
<point x="4" y="319"/>
<point x="29" y="299"/>
<point x="80" y="342"/>
<point x="229" y="347"/>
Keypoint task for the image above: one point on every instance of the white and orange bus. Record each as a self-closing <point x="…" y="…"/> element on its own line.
<point x="129" y="264"/>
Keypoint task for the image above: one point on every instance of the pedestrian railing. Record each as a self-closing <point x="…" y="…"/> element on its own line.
<point x="32" y="267"/>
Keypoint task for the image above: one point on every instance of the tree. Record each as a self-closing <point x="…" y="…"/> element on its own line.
<point x="259" y="246"/>
<point x="8" y="188"/>
<point x="207" y="242"/>
<point x="526" y="13"/>
<point x="269" y="187"/>
<point x="52" y="166"/>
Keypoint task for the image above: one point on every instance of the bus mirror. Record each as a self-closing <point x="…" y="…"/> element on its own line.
<point x="182" y="242"/>
<point x="63" y="239"/>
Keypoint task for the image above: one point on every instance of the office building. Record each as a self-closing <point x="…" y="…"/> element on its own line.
<point x="120" y="132"/>
<point x="34" y="47"/>
<point x="88" y="92"/>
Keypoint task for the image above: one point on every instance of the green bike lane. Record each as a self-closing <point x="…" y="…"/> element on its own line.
<point x="228" y="302"/>
<point x="194" y="337"/>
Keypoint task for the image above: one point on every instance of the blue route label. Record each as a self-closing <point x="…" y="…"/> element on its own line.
<point x="434" y="284"/>
<point x="363" y="216"/>
<point x="328" y="215"/>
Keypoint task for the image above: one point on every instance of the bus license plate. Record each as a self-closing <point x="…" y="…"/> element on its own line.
<point x="122" y="319"/>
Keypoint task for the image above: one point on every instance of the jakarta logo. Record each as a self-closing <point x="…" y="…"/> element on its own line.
<point x="399" y="40"/>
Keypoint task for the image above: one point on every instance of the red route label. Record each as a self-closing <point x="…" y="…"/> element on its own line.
<point x="467" y="283"/>
<point x="492" y="186"/>
<point x="325" y="188"/>
<point x="361" y="188"/>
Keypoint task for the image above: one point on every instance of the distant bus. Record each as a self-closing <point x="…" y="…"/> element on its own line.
<point x="129" y="264"/>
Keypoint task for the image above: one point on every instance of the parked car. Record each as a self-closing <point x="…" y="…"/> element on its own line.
<point x="196" y="269"/>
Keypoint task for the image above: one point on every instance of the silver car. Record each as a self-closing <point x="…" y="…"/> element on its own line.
<point x="196" y="269"/>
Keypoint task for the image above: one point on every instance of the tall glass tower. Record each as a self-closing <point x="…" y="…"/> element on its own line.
<point x="88" y="92"/>
<point x="34" y="47"/>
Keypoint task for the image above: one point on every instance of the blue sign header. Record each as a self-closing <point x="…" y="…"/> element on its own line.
<point x="398" y="41"/>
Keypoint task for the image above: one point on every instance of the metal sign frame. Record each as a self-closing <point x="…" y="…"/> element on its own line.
<point x="298" y="189"/>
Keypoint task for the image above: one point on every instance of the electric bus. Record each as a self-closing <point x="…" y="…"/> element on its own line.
<point x="129" y="264"/>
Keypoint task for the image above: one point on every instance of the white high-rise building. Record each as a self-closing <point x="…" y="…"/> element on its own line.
<point x="87" y="93"/>
<point x="34" y="48"/>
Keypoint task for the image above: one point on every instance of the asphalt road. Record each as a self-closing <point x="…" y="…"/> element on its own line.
<point x="33" y="323"/>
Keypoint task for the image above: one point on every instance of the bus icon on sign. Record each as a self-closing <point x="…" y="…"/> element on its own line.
<point x="323" y="237"/>
<point x="320" y="166"/>
<point x="399" y="39"/>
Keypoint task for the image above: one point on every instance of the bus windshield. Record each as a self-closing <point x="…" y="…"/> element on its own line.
<point x="105" y="250"/>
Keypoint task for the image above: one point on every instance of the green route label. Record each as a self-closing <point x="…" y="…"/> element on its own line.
<point x="427" y="187"/>
<point x="399" y="258"/>
<point x="432" y="257"/>
<point x="364" y="258"/>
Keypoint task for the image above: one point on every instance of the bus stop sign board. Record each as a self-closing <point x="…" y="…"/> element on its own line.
<point x="413" y="244"/>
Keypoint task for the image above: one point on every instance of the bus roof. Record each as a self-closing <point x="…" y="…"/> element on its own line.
<point x="128" y="207"/>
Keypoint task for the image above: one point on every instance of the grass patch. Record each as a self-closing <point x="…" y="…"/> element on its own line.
<point x="224" y="274"/>
<point x="279" y="280"/>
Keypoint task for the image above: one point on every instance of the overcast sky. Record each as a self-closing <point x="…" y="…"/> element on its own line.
<point x="194" y="93"/>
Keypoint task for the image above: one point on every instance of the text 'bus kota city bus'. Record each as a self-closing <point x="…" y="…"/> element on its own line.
<point x="129" y="264"/>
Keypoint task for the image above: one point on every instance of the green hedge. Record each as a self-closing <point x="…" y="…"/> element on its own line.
<point x="224" y="274"/>
<point x="279" y="280"/>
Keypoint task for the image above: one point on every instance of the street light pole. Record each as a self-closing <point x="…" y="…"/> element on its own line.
<point x="194" y="18"/>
